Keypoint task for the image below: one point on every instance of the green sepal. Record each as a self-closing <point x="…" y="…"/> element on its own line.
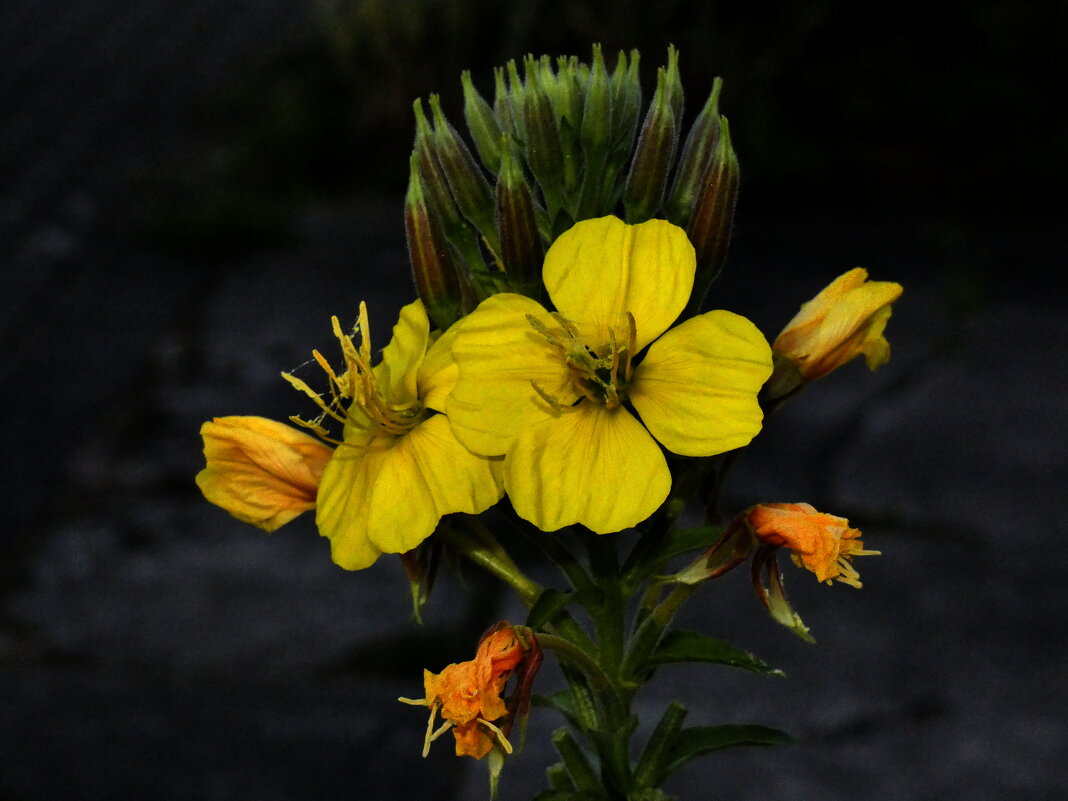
<point x="494" y="765"/>
<point x="698" y="740"/>
<point x="692" y="646"/>
<point x="548" y="604"/>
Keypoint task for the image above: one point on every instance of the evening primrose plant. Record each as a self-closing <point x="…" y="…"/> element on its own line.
<point x="555" y="383"/>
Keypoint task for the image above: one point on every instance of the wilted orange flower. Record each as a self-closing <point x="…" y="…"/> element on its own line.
<point x="823" y="543"/>
<point x="259" y="470"/>
<point x="846" y="319"/>
<point x="468" y="694"/>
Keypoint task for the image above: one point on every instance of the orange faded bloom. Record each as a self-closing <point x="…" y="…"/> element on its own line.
<point x="846" y="319"/>
<point x="261" y="471"/>
<point x="823" y="543"/>
<point x="467" y="695"/>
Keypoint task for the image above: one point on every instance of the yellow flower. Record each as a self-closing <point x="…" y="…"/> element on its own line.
<point x="467" y="695"/>
<point x="847" y="318"/>
<point x="399" y="468"/>
<point x="823" y="543"/>
<point x="260" y="471"/>
<point x="551" y="390"/>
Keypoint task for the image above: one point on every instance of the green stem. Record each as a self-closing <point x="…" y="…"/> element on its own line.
<point x="492" y="558"/>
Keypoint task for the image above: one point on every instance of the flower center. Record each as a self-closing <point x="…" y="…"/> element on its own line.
<point x="356" y="397"/>
<point x="599" y="362"/>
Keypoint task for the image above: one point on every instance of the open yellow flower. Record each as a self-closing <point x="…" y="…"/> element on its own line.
<point x="846" y="319"/>
<point x="261" y="471"/>
<point x="467" y="695"/>
<point x="550" y="390"/>
<point x="823" y="543"/>
<point x="399" y="468"/>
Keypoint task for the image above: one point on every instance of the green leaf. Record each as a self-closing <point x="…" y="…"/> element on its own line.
<point x="689" y="539"/>
<point x="548" y="604"/>
<point x="563" y="702"/>
<point x="698" y="740"/>
<point x="692" y="646"/>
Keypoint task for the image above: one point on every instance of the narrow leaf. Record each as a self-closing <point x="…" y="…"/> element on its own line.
<point x="692" y="646"/>
<point x="699" y="740"/>
<point x="548" y="604"/>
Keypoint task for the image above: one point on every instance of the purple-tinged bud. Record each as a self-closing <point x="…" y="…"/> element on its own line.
<point x="522" y="251"/>
<point x="482" y="123"/>
<point x="433" y="266"/>
<point x="439" y="197"/>
<point x="696" y="156"/>
<point x="710" y="226"/>
<point x="473" y="194"/>
<point x="644" y="190"/>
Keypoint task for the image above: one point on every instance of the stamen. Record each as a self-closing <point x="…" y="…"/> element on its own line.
<point x="549" y="399"/>
<point x="507" y="746"/>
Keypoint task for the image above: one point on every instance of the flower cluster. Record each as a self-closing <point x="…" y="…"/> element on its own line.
<point x="558" y="356"/>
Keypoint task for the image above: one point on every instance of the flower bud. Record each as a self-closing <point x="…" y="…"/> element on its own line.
<point x="595" y="138"/>
<point x="439" y="197"/>
<point x="644" y="191"/>
<point x="544" y="150"/>
<point x="474" y="196"/>
<point x="697" y="154"/>
<point x="710" y="226"/>
<point x="522" y="251"/>
<point x="626" y="100"/>
<point x="261" y="471"/>
<point x="846" y="319"/>
<point x="482" y="123"/>
<point x="433" y="266"/>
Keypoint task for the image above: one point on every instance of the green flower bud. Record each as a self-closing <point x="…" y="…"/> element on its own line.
<point x="544" y="150"/>
<point x="644" y="191"/>
<point x="595" y="137"/>
<point x="522" y="251"/>
<point x="473" y="194"/>
<point x="482" y="123"/>
<point x="626" y="100"/>
<point x="697" y="154"/>
<point x="433" y="267"/>
<point x="439" y="197"/>
<point x="674" y="84"/>
<point x="710" y="226"/>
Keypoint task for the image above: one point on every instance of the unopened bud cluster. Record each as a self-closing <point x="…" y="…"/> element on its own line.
<point x="563" y="141"/>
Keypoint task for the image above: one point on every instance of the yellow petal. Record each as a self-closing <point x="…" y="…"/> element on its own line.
<point x="389" y="496"/>
<point x="261" y="471"/>
<point x="397" y="371"/>
<point x="499" y="354"/>
<point x="600" y="269"/>
<point x="591" y="465"/>
<point x="345" y="493"/>
<point x="438" y="373"/>
<point x="696" y="389"/>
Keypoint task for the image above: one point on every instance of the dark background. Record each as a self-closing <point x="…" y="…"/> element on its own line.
<point x="188" y="190"/>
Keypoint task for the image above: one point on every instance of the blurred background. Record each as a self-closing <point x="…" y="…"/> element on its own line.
<point x="188" y="190"/>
